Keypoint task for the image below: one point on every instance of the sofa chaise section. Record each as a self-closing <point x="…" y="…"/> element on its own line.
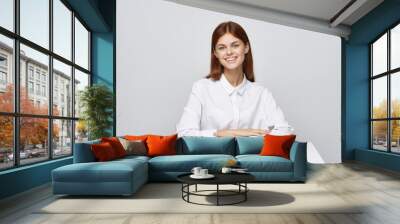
<point x="87" y="177"/>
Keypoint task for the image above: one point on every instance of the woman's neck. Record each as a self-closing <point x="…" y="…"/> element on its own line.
<point x="234" y="77"/>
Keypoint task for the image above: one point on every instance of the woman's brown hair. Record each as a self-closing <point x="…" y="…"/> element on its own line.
<point x="237" y="31"/>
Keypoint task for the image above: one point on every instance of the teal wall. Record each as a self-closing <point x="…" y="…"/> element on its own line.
<point x="103" y="53"/>
<point x="99" y="15"/>
<point x="356" y="88"/>
<point x="24" y="178"/>
<point x="103" y="63"/>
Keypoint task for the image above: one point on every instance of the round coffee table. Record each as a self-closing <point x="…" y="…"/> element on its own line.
<point x="238" y="179"/>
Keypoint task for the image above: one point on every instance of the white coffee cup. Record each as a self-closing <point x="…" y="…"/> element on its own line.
<point x="196" y="170"/>
<point x="203" y="172"/>
<point x="226" y="170"/>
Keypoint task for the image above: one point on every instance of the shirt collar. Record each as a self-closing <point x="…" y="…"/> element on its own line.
<point x="231" y="89"/>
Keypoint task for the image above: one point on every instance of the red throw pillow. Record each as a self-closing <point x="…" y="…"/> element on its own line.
<point x="103" y="151"/>
<point x="277" y="145"/>
<point x="116" y="145"/>
<point x="161" y="145"/>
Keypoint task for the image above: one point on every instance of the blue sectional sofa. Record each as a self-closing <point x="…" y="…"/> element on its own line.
<point x="125" y="176"/>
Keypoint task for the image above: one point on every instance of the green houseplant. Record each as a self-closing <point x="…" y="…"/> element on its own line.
<point x="96" y="102"/>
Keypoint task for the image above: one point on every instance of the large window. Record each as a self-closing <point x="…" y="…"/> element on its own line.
<point x="385" y="91"/>
<point x="44" y="64"/>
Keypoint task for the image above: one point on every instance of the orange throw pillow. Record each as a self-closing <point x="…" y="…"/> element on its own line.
<point x="161" y="145"/>
<point x="103" y="151"/>
<point x="116" y="145"/>
<point x="277" y="145"/>
<point x="136" y="138"/>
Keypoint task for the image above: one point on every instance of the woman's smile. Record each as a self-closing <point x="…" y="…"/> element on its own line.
<point x="231" y="59"/>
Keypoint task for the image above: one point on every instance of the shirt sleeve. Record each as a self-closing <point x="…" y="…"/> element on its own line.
<point x="275" y="115"/>
<point x="189" y="124"/>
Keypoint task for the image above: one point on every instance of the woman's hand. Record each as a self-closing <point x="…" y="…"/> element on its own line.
<point x="240" y="132"/>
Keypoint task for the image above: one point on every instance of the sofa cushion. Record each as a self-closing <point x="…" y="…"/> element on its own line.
<point x="111" y="171"/>
<point x="277" y="145"/>
<point x="190" y="145"/>
<point x="83" y="152"/>
<point x="257" y="163"/>
<point x="116" y="145"/>
<point x="103" y="152"/>
<point x="185" y="163"/>
<point x="161" y="145"/>
<point x="134" y="147"/>
<point x="249" y="145"/>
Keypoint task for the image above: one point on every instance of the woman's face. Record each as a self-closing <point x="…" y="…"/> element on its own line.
<point x="230" y="51"/>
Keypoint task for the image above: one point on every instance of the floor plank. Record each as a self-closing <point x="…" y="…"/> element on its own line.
<point x="376" y="189"/>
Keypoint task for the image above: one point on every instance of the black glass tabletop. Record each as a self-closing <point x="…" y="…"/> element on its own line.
<point x="219" y="178"/>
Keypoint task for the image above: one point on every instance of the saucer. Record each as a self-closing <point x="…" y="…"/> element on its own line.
<point x="208" y="176"/>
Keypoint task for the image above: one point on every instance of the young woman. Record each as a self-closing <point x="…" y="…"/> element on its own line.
<point x="228" y="102"/>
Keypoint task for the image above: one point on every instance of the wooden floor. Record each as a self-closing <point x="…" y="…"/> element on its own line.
<point x="377" y="188"/>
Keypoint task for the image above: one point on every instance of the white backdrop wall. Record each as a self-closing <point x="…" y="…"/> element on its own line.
<point x="163" y="47"/>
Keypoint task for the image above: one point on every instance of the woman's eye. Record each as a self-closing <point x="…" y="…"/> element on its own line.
<point x="221" y="48"/>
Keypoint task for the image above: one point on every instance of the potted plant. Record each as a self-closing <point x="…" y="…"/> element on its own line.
<point x="96" y="102"/>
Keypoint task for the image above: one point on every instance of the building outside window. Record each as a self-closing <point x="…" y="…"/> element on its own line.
<point x="3" y="61"/>
<point x="3" y="72"/>
<point x="37" y="75"/>
<point x="43" y="90"/>
<point x="30" y="72"/>
<point x="30" y="87"/>
<point x="44" y="77"/>
<point x="3" y="78"/>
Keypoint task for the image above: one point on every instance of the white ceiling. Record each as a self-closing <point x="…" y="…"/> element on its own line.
<point x="315" y="15"/>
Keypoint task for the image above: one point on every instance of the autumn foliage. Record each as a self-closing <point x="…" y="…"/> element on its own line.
<point x="380" y="127"/>
<point x="33" y="131"/>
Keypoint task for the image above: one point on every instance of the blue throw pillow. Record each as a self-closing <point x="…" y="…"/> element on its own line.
<point x="191" y="145"/>
<point x="249" y="145"/>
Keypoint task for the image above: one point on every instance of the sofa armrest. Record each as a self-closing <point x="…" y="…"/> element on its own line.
<point x="83" y="152"/>
<point x="298" y="155"/>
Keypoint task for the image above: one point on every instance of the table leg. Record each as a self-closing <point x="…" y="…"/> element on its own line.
<point x="188" y="190"/>
<point x="217" y="194"/>
<point x="245" y="193"/>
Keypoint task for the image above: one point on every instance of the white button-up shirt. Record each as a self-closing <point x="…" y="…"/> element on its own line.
<point x="217" y="105"/>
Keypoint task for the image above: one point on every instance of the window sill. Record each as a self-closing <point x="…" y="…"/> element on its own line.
<point x="26" y="167"/>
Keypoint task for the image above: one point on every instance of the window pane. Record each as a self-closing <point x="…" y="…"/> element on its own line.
<point x="7" y="14"/>
<point x="379" y="135"/>
<point x="6" y="74"/>
<point x="81" y="81"/>
<point x="62" y="89"/>
<point x="62" y="137"/>
<point x="395" y="136"/>
<point x="395" y="47"/>
<point x="62" y="29"/>
<point x="379" y="55"/>
<point x="395" y="94"/>
<point x="6" y="142"/>
<point x="35" y="21"/>
<point x="34" y="78"/>
<point x="81" y="45"/>
<point x="81" y="131"/>
<point x="379" y="100"/>
<point x="33" y="139"/>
